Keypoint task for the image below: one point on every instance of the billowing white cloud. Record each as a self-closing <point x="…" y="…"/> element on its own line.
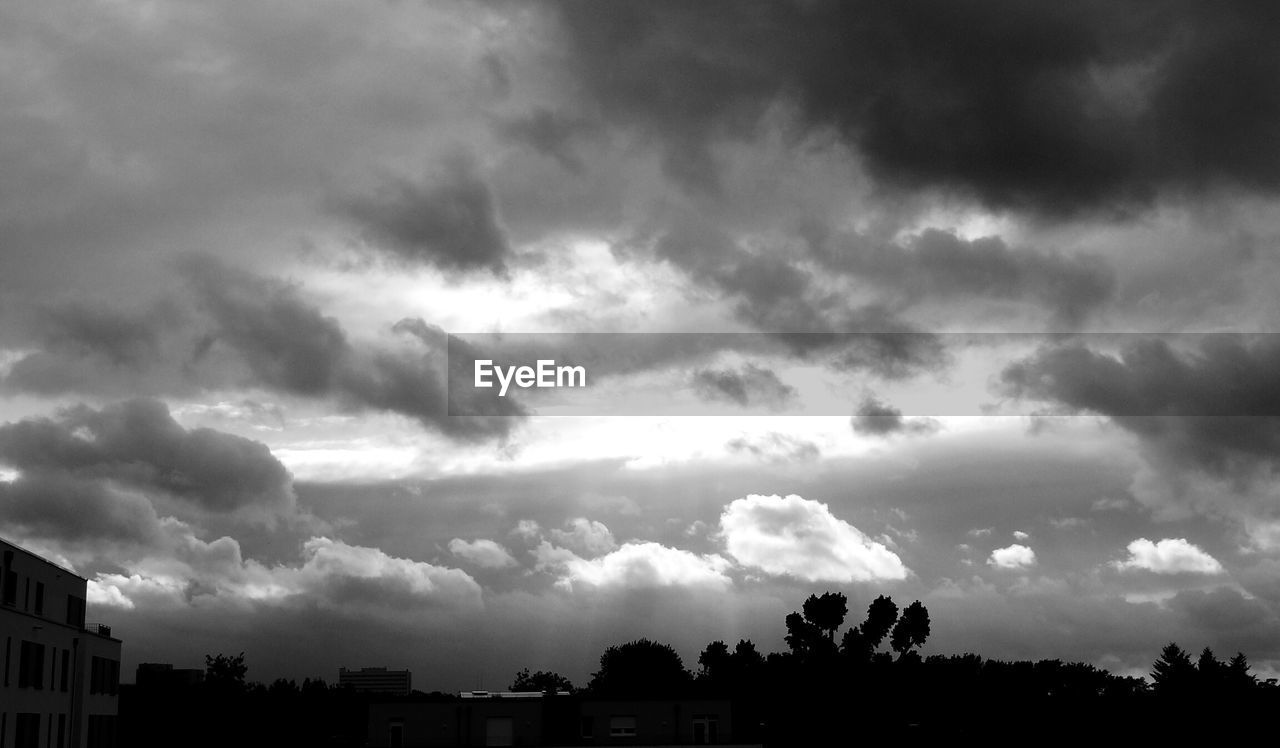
<point x="1169" y="556"/>
<point x="1013" y="557"/>
<point x="635" y="565"/>
<point x="586" y="537"/>
<point x="1020" y="535"/>
<point x="794" y="536"/>
<point x="482" y="552"/>
<point x="332" y="574"/>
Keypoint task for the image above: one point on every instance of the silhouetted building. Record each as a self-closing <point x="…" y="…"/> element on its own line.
<point x="61" y="675"/>
<point x="163" y="675"/>
<point x="498" y="718"/>
<point x="376" y="680"/>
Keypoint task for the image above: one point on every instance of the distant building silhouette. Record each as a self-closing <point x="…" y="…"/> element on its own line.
<point x="376" y="680"/>
<point x="61" y="676"/>
<point x="530" y="718"/>
<point x="162" y="675"/>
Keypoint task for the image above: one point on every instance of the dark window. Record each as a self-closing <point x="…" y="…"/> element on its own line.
<point x="622" y="726"/>
<point x="31" y="666"/>
<point x="75" y="611"/>
<point x="48" y="733"/>
<point x="53" y="669"/>
<point x="26" y="733"/>
<point x="102" y="731"/>
<point x="8" y="650"/>
<point x="587" y="728"/>
<point x="10" y="580"/>
<point x="26" y="595"/>
<point x="66" y="667"/>
<point x="39" y="598"/>
<point x="62" y="729"/>
<point x="104" y="676"/>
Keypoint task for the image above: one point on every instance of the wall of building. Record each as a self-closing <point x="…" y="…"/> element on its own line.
<point x="549" y="720"/>
<point x="42" y="609"/>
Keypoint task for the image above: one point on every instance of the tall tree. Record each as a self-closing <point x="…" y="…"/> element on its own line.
<point x="640" y="667"/>
<point x="911" y="630"/>
<point x="544" y="681"/>
<point x="826" y="612"/>
<point x="714" y="661"/>
<point x="881" y="615"/>
<point x="1173" y="672"/>
<point x="1238" y="675"/>
<point x="225" y="672"/>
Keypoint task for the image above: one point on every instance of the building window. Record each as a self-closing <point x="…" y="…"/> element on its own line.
<point x="62" y="731"/>
<point x="499" y="731"/>
<point x="104" y="676"/>
<point x="622" y="726"/>
<point x="706" y="729"/>
<point x="26" y="733"/>
<point x="10" y="580"/>
<point x="8" y="650"/>
<point x="75" y="611"/>
<point x="102" y="731"/>
<point x="66" y="668"/>
<point x="31" y="666"/>
<point x="395" y="733"/>
<point x="39" y="598"/>
<point x="587" y="728"/>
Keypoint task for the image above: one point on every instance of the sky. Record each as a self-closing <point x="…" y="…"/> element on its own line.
<point x="999" y="276"/>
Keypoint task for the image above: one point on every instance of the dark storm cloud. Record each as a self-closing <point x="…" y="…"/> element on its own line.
<point x="875" y="418"/>
<point x="1049" y="107"/>
<point x="244" y="330"/>
<point x="750" y="385"/>
<point x="138" y="444"/>
<point x="290" y="345"/>
<point x="55" y="505"/>
<point x="551" y="133"/>
<point x="779" y="295"/>
<point x="1210" y="402"/>
<point x="285" y="341"/>
<point x="940" y="265"/>
<point x="450" y="219"/>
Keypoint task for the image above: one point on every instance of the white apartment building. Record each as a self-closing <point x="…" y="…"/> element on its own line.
<point x="59" y="676"/>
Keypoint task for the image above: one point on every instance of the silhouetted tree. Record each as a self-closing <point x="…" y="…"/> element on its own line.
<point x="746" y="656"/>
<point x="543" y="681"/>
<point x="1173" y="672"/>
<point x="881" y="615"/>
<point x="826" y="612"/>
<point x="225" y="672"/>
<point x="855" y="645"/>
<point x="911" y="630"/>
<point x="640" y="667"/>
<point x="1237" y="673"/>
<point x="1211" y="672"/>
<point x="714" y="661"/>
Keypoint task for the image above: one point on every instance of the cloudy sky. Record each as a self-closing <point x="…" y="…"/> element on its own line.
<point x="1000" y="276"/>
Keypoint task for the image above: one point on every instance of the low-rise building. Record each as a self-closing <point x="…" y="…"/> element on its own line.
<point x="376" y="680"/>
<point x="59" y="675"/>
<point x="484" y="718"/>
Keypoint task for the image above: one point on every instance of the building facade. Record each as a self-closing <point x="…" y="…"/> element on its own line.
<point x="376" y="680"/>
<point x="537" y="719"/>
<point x="59" y="676"/>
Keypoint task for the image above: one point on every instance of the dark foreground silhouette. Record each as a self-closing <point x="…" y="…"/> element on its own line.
<point x="827" y="688"/>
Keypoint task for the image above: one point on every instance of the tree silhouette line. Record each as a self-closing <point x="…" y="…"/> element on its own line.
<point x="831" y="682"/>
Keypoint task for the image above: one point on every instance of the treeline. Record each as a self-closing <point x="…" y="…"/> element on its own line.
<point x="833" y="683"/>
<point x="869" y="679"/>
